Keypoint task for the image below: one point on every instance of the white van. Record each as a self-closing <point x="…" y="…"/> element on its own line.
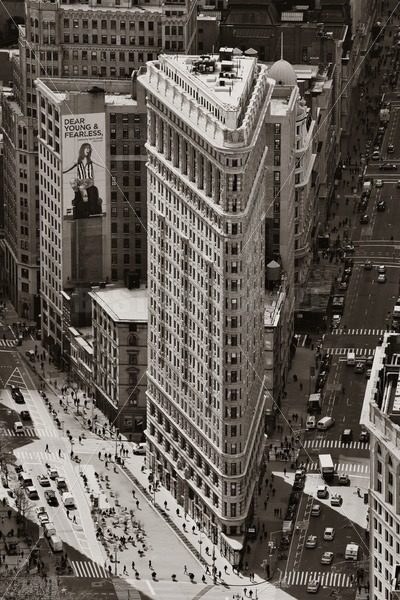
<point x="18" y="427"/>
<point x="55" y="543"/>
<point x="68" y="500"/>
<point x="352" y="551"/>
<point x="325" y="423"/>
<point x="351" y="358"/>
<point x="49" y="529"/>
<point x="311" y="422"/>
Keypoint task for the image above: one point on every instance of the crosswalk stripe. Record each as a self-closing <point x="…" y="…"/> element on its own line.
<point x="327" y="578"/>
<point x="31" y="432"/>
<point x="341" y="467"/>
<point x="358" y="331"/>
<point x="335" y="444"/>
<point x="90" y="569"/>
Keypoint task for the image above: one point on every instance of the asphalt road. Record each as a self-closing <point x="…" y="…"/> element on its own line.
<point x="366" y="316"/>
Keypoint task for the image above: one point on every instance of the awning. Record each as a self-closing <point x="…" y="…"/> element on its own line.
<point x="234" y="543"/>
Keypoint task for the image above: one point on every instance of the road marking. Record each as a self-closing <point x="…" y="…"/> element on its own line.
<point x="323" y="443"/>
<point x="327" y="579"/>
<point x="86" y="568"/>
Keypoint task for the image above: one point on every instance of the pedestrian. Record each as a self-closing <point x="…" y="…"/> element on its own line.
<point x="219" y="574"/>
<point x="150" y="565"/>
<point x="133" y="565"/>
<point x="284" y="472"/>
<point x="59" y="452"/>
<point x="125" y="570"/>
<point x="74" y="519"/>
<point x="68" y="513"/>
<point x="133" y="493"/>
<point x="137" y="504"/>
<point x="47" y="448"/>
<point x="185" y="569"/>
<point x="225" y="569"/>
<point x="165" y="504"/>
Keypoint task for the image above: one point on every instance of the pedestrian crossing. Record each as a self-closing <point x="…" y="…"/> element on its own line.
<point x="335" y="444"/>
<point x="359" y="352"/>
<point x="31" y="432"/>
<point x="86" y="568"/>
<point x="34" y="456"/>
<point x="342" y="467"/>
<point x="359" y="331"/>
<point x="8" y="343"/>
<point x="327" y="579"/>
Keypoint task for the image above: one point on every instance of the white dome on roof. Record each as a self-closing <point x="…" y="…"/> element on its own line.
<point x="283" y="73"/>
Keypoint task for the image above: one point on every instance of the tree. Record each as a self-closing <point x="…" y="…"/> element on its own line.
<point x="22" y="504"/>
<point x="5" y="458"/>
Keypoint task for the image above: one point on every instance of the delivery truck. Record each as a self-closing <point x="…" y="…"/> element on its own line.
<point x="326" y="466"/>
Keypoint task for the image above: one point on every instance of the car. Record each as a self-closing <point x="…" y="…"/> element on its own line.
<point x="378" y="183"/>
<point x="140" y="449"/>
<point x="44" y="481"/>
<point x="343" y="285"/>
<point x="390" y="149"/>
<point x="62" y="484"/>
<point x="360" y="367"/>
<point x="18" y="468"/>
<point x="53" y="473"/>
<point x="311" y="541"/>
<point x="381" y="278"/>
<point x="364" y="220"/>
<point x="388" y="167"/>
<point x="313" y="586"/>
<point x="25" y="415"/>
<point x="369" y="360"/>
<point x="336" y="500"/>
<point x="31" y="492"/>
<point x="347" y="435"/>
<point x="381" y="206"/>
<point x="316" y="510"/>
<point x="311" y="422"/>
<point x="17" y="395"/>
<point x="343" y="479"/>
<point x="42" y="515"/>
<point x="51" y="498"/>
<point x="329" y="534"/>
<point x="322" y="491"/>
<point x="381" y="269"/>
<point x="327" y="558"/>
<point x="364" y="436"/>
<point x="368" y="265"/>
<point x="349" y="248"/>
<point x="376" y="155"/>
<point x="336" y="321"/>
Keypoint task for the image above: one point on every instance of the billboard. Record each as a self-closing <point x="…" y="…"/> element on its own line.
<point x="84" y="160"/>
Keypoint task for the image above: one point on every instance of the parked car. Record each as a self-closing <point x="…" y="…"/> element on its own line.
<point x="25" y="415"/>
<point x="311" y="541"/>
<point x="43" y="481"/>
<point x="364" y="436"/>
<point x="378" y="183"/>
<point x="53" y="473"/>
<point x="32" y="493"/>
<point x="364" y="220"/>
<point x="381" y="269"/>
<point x="347" y="435"/>
<point x="62" y="484"/>
<point x="51" y="498"/>
<point x="327" y="558"/>
<point x="381" y="278"/>
<point x="368" y="265"/>
<point x="390" y="148"/>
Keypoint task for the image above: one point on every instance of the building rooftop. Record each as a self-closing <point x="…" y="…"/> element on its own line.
<point x="122" y="304"/>
<point x="222" y="96"/>
<point x="226" y="82"/>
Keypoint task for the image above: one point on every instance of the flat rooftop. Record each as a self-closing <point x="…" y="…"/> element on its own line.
<point x="122" y="304"/>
